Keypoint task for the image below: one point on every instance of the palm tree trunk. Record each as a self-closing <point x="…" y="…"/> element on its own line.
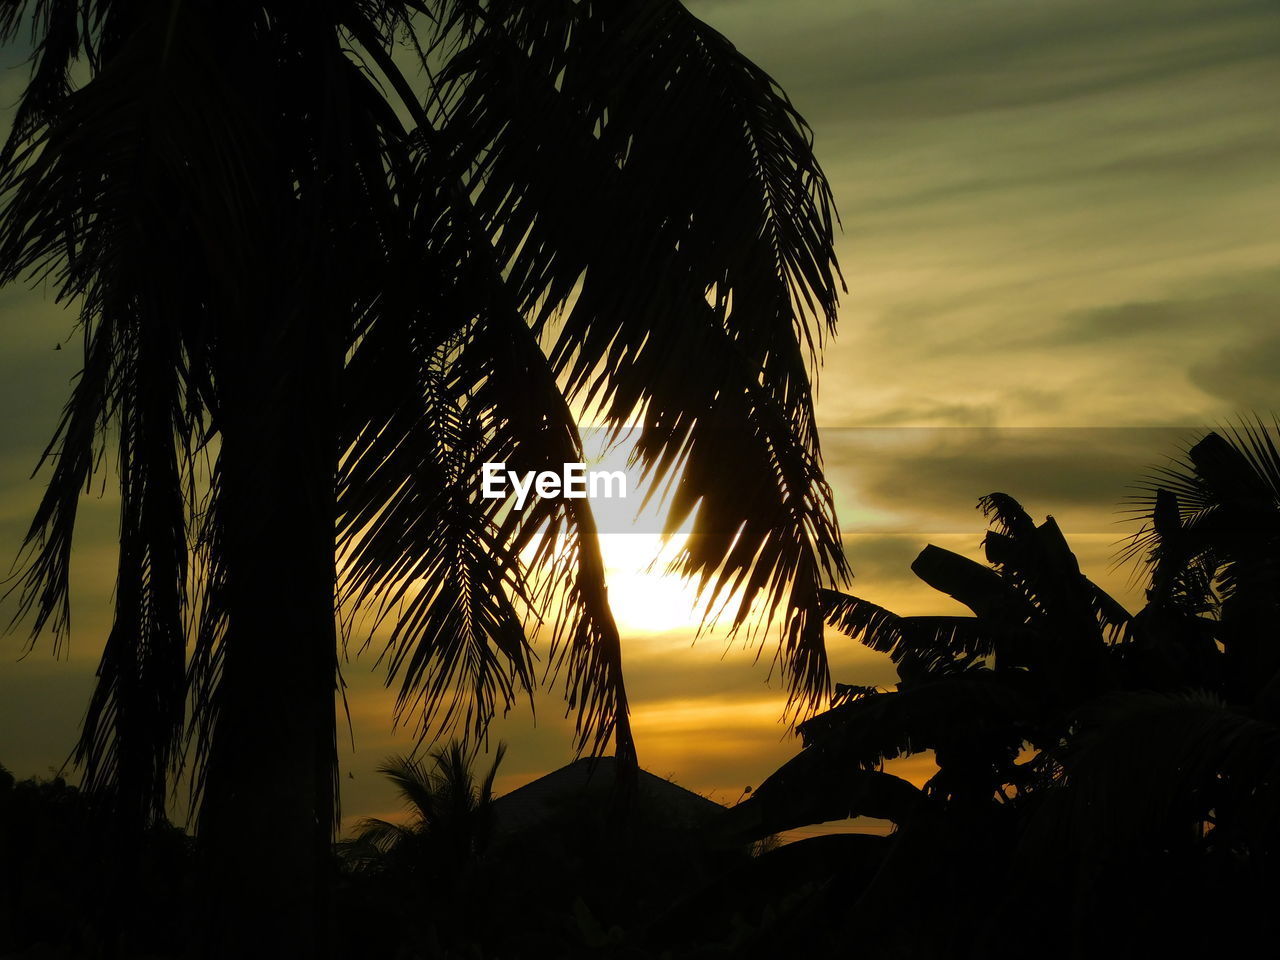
<point x="624" y="745"/>
<point x="626" y="762"/>
<point x="596" y="599"/>
<point x="269" y="807"/>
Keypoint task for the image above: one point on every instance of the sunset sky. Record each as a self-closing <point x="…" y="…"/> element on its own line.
<point x="1061" y="240"/>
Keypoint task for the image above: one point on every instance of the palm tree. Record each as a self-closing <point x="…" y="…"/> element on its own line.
<point x="1211" y="539"/>
<point x="329" y="258"/>
<point x="450" y="814"/>
<point x="423" y="881"/>
<point x="1171" y="788"/>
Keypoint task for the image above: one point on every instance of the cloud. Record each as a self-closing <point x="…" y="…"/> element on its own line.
<point x="933" y="57"/>
<point x="1008" y="170"/>
<point x="1244" y="375"/>
<point x="928" y="479"/>
<point x="1235" y="307"/>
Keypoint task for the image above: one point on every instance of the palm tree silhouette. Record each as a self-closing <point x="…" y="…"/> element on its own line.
<point x="1211" y="539"/>
<point x="331" y="257"/>
<point x="425" y="879"/>
<point x="1171" y="787"/>
<point x="994" y="696"/>
<point x="450" y="815"/>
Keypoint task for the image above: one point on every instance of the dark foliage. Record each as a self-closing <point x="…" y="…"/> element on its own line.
<point x="72" y="885"/>
<point x="1113" y="777"/>
<point x="328" y="258"/>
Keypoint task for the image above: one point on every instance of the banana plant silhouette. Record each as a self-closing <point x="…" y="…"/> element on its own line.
<point x="1080" y="749"/>
<point x="973" y="689"/>
<point x="992" y="695"/>
<point x="329" y="257"/>
<point x="1170" y="789"/>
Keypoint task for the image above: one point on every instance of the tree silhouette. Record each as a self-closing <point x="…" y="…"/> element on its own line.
<point x="450" y="814"/>
<point x="425" y="880"/>
<point x="974" y="689"/>
<point x="1170" y="789"/>
<point x="60" y="865"/>
<point x="1096" y="770"/>
<point x="1211" y="539"/>
<point x="330" y="257"/>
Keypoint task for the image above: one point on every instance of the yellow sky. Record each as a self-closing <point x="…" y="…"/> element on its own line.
<point x="1061" y="247"/>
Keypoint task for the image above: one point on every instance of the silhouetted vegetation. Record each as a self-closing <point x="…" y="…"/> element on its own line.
<point x="329" y="258"/>
<point x="468" y="876"/>
<point x="1113" y="778"/>
<point x="1107" y="784"/>
<point x="73" y="885"/>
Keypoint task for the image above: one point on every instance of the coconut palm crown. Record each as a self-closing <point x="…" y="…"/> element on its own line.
<point x="329" y="257"/>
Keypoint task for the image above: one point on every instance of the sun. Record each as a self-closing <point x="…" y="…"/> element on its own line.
<point x="645" y="598"/>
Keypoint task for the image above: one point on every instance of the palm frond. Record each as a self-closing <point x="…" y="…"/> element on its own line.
<point x="1209" y="533"/>
<point x="424" y="549"/>
<point x="134" y="725"/>
<point x="418" y="785"/>
<point x="380" y="835"/>
<point x="582" y="119"/>
<point x="485" y="794"/>
<point x="449" y="810"/>
<point x="1008" y="514"/>
<point x="86" y="184"/>
<point x="1237" y="470"/>
<point x="59" y="41"/>
<point x="979" y="588"/>
<point x="498" y="375"/>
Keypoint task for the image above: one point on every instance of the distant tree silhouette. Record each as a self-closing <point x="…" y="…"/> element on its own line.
<point x="329" y="257"/>
<point x="450" y="814"/>
<point x="425" y="879"/>
<point x="60" y="893"/>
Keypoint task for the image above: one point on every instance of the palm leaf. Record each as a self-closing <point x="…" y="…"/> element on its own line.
<point x="682" y="310"/>
<point x="870" y="729"/>
<point x="930" y="644"/>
